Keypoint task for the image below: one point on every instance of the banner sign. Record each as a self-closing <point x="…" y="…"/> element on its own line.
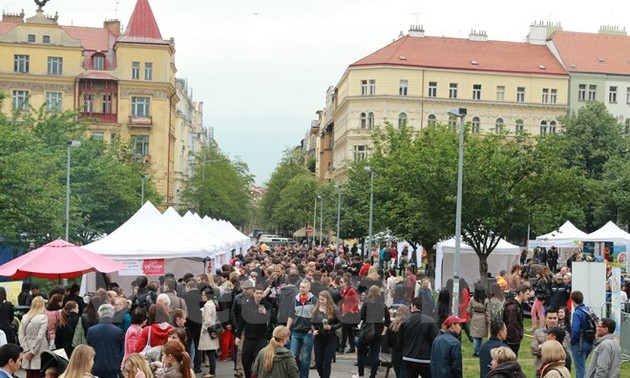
<point x="153" y="267"/>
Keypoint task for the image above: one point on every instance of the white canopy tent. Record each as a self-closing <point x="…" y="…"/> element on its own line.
<point x="175" y="221"/>
<point x="565" y="236"/>
<point x="504" y="256"/>
<point x="194" y="222"/>
<point x="609" y="232"/>
<point x="242" y="241"/>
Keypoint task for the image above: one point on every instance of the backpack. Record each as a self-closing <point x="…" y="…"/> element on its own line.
<point x="144" y="300"/>
<point x="588" y="334"/>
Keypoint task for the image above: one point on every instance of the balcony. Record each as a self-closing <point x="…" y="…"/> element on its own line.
<point x="140" y="121"/>
<point x="103" y="117"/>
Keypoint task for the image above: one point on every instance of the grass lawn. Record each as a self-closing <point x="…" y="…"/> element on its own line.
<point x="526" y="360"/>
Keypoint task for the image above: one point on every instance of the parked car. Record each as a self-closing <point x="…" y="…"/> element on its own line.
<point x="266" y="238"/>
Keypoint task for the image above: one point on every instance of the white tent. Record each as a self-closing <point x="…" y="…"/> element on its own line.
<point x="503" y="257"/>
<point x="565" y="236"/>
<point x="175" y="221"/>
<point x="609" y="232"/>
<point x="193" y="221"/>
<point x="147" y="236"/>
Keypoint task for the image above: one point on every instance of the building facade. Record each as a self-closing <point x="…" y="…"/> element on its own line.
<point x="123" y="82"/>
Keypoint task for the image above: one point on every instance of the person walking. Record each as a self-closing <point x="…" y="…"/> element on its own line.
<point x="349" y="314"/>
<point x="581" y="345"/>
<point x="498" y="333"/>
<point x="32" y="335"/>
<point x="207" y="343"/>
<point x="374" y="315"/>
<point x="192" y="297"/>
<point x="479" y="313"/>
<point x="513" y="317"/>
<point x="393" y="334"/>
<point x="446" y="351"/>
<point x="274" y="360"/>
<point x="542" y="292"/>
<point x="606" y="358"/>
<point x="299" y="322"/>
<point x="415" y="339"/>
<point x="64" y="331"/>
<point x="540" y="336"/>
<point x="325" y="321"/>
<point x="109" y="343"/>
<point x="254" y="325"/>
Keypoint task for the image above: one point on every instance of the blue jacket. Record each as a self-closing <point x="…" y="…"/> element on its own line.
<point x="108" y="341"/>
<point x="579" y="323"/>
<point x="484" y="355"/>
<point x="446" y="357"/>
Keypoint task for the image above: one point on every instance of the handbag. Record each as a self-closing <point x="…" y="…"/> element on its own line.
<point x="367" y="333"/>
<point x="148" y="346"/>
<point x="215" y="330"/>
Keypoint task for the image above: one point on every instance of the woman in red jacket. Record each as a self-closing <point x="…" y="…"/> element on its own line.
<point x="350" y="315"/>
<point x="156" y="333"/>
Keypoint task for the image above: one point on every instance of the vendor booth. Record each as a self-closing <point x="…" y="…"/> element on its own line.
<point x="504" y="256"/>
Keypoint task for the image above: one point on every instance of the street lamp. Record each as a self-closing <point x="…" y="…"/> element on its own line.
<point x="321" y="217"/>
<point x="69" y="144"/>
<point x="461" y="114"/>
<point x="338" y="214"/>
<point x="369" y="169"/>
<point x="314" y="220"/>
<point x="144" y="178"/>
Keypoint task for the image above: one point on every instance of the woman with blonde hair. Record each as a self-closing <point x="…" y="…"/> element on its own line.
<point x="325" y="321"/>
<point x="553" y="356"/>
<point x="504" y="364"/>
<point x="81" y="362"/>
<point x="136" y="367"/>
<point x="33" y="337"/>
<point x="402" y="313"/>
<point x="275" y="360"/>
<point x="176" y="361"/>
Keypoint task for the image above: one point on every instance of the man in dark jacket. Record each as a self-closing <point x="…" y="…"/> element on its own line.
<point x="257" y="315"/>
<point x="285" y="298"/>
<point x="513" y="318"/>
<point x="446" y="351"/>
<point x="415" y="338"/>
<point x="236" y="316"/>
<point x="108" y="342"/>
<point x="559" y="292"/>
<point x="192" y="297"/>
<point x="498" y="333"/>
<point x="299" y="323"/>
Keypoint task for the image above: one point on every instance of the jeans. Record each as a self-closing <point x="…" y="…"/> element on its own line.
<point x="347" y="335"/>
<point x="477" y="344"/>
<point x="580" y="353"/>
<point x="399" y="370"/>
<point x="302" y="342"/>
<point x="375" y="348"/>
<point x="538" y="313"/>
<point x="324" y="354"/>
<point x="251" y="347"/>
<point x="514" y="345"/>
<point x="212" y="361"/>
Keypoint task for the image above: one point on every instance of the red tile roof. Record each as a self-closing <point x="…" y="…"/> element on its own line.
<point x="91" y="38"/>
<point x="596" y="53"/>
<point x="6" y="27"/>
<point x="142" y="25"/>
<point x="464" y="54"/>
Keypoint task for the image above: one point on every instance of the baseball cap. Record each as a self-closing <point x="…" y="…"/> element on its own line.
<point x="247" y="284"/>
<point x="453" y="320"/>
<point x="558" y="332"/>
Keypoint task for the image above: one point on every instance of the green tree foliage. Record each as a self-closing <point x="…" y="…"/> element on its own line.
<point x="219" y="188"/>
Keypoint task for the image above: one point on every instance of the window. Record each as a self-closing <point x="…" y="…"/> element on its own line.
<point x="360" y="153"/>
<point x="402" y="120"/>
<point x="402" y="88"/>
<point x="98" y="136"/>
<point x="545" y="95"/>
<point x="543" y="128"/>
<point x="372" y="87"/>
<point x="612" y="95"/>
<point x="363" y="120"/>
<point x="553" y="96"/>
<point x="148" y="71"/>
<point x="140" y="145"/>
<point x="364" y="88"/>
<point x="500" y="93"/>
<point x="106" y="104"/>
<point x="135" y="70"/>
<point x="582" y="92"/>
<point x="592" y="92"/>
<point x="55" y="65"/>
<point x="46" y="39"/>
<point x="475" y="125"/>
<point x="140" y="106"/>
<point x="20" y="63"/>
<point x="53" y="101"/>
<point x="370" y="120"/>
<point x="498" y="125"/>
<point x="552" y="127"/>
<point x="88" y="103"/>
<point x="518" y="128"/>
<point x="431" y="120"/>
<point x="452" y="90"/>
<point x="20" y="100"/>
<point x="31" y="38"/>
<point x="452" y="122"/>
<point x="476" y="92"/>
<point x="520" y="94"/>
<point x="432" y="88"/>
<point x="98" y="61"/>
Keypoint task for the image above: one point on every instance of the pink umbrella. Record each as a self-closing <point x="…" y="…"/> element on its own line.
<point x="58" y="259"/>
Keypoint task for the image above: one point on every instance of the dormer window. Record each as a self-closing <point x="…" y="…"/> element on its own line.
<point x="98" y="62"/>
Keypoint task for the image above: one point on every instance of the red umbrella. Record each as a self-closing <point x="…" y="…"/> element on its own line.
<point x="58" y="259"/>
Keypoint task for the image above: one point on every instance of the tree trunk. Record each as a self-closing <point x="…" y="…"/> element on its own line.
<point x="483" y="270"/>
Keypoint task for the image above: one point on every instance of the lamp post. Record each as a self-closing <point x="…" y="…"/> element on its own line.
<point x="321" y="217"/>
<point x="369" y="169"/>
<point x="338" y="215"/>
<point x="144" y="178"/>
<point x="69" y="144"/>
<point x="314" y="220"/>
<point x="461" y="114"/>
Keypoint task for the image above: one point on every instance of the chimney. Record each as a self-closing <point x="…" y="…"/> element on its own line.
<point x="612" y="30"/>
<point x="478" y="35"/>
<point x="540" y="31"/>
<point x="416" y="31"/>
<point x="113" y="26"/>
<point x="14" y="18"/>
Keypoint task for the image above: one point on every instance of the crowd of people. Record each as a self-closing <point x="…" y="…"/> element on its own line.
<point x="284" y="311"/>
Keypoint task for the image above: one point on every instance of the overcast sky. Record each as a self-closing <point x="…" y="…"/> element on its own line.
<point x="262" y="67"/>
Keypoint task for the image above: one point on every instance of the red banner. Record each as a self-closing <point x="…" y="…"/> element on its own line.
<point x="153" y="267"/>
